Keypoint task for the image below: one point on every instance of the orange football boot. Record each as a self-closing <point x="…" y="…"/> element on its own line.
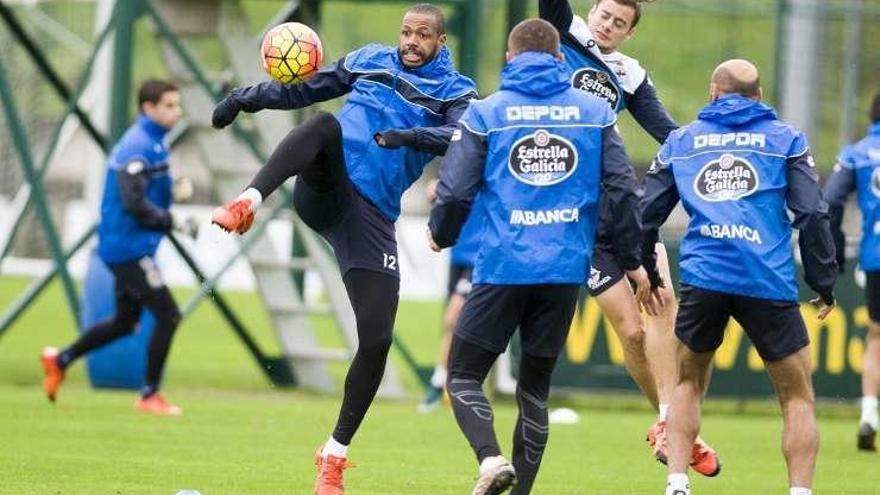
<point x="704" y="459"/>
<point x="330" y="468"/>
<point x="54" y="373"/>
<point x="156" y="404"/>
<point x="656" y="439"/>
<point x="235" y="216"/>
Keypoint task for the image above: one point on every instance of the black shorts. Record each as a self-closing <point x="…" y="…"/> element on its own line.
<point x="775" y="327"/>
<point x="604" y="270"/>
<point x="361" y="236"/>
<point x="872" y="294"/>
<point x="459" y="280"/>
<point x="138" y="284"/>
<point x="543" y="314"/>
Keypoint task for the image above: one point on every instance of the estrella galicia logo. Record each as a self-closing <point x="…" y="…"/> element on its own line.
<point x="542" y="159"/>
<point x="728" y="178"/>
<point x="875" y="182"/>
<point x="597" y="82"/>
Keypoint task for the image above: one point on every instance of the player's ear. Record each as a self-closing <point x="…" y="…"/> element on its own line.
<point x="507" y="56"/>
<point x="560" y="56"/>
<point x="713" y="91"/>
<point x="760" y="94"/>
<point x="442" y="39"/>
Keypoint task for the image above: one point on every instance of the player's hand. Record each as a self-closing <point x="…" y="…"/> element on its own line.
<point x="187" y="226"/>
<point x="655" y="305"/>
<point x="225" y="112"/>
<point x="431" y="190"/>
<point x="434" y="246"/>
<point x="825" y="304"/>
<point x="393" y="138"/>
<point x="643" y="286"/>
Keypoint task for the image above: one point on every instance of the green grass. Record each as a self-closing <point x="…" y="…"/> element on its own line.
<point x="240" y="436"/>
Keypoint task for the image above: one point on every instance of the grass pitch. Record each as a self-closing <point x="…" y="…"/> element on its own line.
<point x="240" y="436"/>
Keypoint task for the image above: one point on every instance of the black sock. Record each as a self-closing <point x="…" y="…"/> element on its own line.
<point x="532" y="425"/>
<point x="148" y="390"/>
<point x="312" y="149"/>
<point x="374" y="296"/>
<point x="98" y="336"/>
<point x="468" y="366"/>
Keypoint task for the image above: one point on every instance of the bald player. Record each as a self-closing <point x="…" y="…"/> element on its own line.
<point x="737" y="169"/>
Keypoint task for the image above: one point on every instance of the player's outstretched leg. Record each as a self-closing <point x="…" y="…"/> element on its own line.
<point x="532" y="425"/>
<point x="55" y="363"/>
<point x="316" y="143"/>
<point x="868" y="423"/>
<point x="468" y="366"/>
<point x="374" y="298"/>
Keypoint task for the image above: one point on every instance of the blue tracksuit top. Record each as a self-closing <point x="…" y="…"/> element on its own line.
<point x="536" y="151"/>
<point x="137" y="195"/>
<point x="464" y="252"/>
<point x="858" y="169"/>
<point x="615" y="77"/>
<point x="426" y="102"/>
<point x="737" y="169"/>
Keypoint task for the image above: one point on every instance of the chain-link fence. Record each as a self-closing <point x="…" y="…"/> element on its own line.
<point x="63" y="31"/>
<point x="819" y="61"/>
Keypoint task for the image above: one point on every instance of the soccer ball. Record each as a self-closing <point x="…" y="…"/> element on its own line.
<point x="291" y="53"/>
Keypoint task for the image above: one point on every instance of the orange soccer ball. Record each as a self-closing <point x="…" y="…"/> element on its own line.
<point x="291" y="52"/>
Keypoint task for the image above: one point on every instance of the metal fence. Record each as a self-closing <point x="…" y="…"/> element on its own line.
<point x="819" y="61"/>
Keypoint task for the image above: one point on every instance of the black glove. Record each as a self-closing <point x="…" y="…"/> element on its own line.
<point x="225" y="112"/>
<point x="395" y="138"/>
<point x="655" y="278"/>
<point x="827" y="297"/>
<point x="187" y="226"/>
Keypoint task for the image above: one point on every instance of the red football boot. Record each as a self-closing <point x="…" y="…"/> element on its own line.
<point x="156" y="404"/>
<point x="330" y="468"/>
<point x="235" y="216"/>
<point x="54" y="373"/>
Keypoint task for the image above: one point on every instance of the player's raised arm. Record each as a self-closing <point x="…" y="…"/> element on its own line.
<point x="647" y="109"/>
<point x="460" y="179"/>
<point x="556" y="12"/>
<point x="811" y="217"/>
<point x="330" y="82"/>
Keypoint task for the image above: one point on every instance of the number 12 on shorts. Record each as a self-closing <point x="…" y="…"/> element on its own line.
<point x="389" y="261"/>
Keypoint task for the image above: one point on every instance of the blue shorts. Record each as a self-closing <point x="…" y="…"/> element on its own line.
<point x="776" y="328"/>
<point x="361" y="236"/>
<point x="543" y="314"/>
